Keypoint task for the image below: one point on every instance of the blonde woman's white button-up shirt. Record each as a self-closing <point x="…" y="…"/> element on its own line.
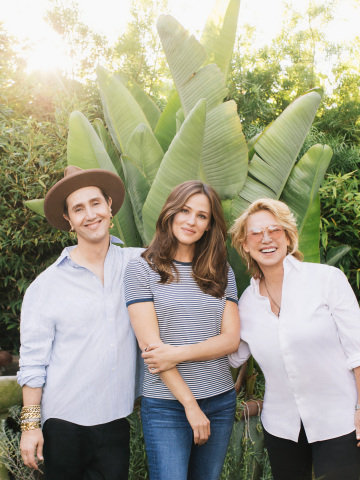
<point x="307" y="354"/>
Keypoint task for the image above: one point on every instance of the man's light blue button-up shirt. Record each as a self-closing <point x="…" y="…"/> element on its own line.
<point x="77" y="342"/>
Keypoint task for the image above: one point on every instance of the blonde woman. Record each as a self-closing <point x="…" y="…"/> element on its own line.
<point x="301" y="322"/>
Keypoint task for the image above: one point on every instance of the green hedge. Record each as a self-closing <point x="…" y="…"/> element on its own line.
<point x="340" y="221"/>
<point x="32" y="158"/>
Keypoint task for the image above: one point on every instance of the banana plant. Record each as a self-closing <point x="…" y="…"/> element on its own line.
<point x="198" y="135"/>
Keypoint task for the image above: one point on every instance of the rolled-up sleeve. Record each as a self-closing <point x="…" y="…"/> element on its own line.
<point x="36" y="334"/>
<point x="239" y="357"/>
<point x="345" y="310"/>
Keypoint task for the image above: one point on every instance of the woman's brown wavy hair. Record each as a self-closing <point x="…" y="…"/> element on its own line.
<point x="209" y="265"/>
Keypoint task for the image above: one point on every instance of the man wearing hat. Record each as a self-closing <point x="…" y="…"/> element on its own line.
<point x="78" y="356"/>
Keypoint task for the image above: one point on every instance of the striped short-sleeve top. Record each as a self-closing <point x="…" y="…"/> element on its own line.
<point x="186" y="315"/>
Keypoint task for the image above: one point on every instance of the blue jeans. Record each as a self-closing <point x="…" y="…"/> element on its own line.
<point x="171" y="452"/>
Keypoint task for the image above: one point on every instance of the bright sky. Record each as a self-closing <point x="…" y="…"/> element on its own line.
<point x="24" y="19"/>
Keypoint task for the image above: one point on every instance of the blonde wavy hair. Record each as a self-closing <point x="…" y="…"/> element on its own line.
<point x="284" y="217"/>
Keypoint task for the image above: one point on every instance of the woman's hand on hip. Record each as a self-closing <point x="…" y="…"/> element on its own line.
<point x="160" y="357"/>
<point x="198" y="422"/>
<point x="357" y="426"/>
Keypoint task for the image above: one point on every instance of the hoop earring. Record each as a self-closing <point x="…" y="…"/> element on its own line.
<point x="111" y="222"/>
<point x="72" y="233"/>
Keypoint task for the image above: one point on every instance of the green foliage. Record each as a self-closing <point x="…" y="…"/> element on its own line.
<point x="138" y="469"/>
<point x="27" y="244"/>
<point x="340" y="221"/>
<point x="33" y="134"/>
<point x="209" y="144"/>
<point x="138" y="52"/>
<point x="346" y="155"/>
<point x="84" y="46"/>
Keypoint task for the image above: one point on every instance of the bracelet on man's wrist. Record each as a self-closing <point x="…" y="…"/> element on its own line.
<point x="25" y="427"/>
<point x="357" y="406"/>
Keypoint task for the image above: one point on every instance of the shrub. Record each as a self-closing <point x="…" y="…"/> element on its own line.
<point x="32" y="157"/>
<point x="340" y="221"/>
<point x="346" y="155"/>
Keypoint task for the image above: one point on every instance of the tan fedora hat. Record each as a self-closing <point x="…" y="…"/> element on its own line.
<point x="75" y="178"/>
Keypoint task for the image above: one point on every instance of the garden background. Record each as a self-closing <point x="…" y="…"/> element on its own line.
<point x="35" y="108"/>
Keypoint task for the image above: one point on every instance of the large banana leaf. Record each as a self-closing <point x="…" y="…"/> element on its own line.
<point x="277" y="148"/>
<point x="165" y="129"/>
<point x="106" y="141"/>
<point x="145" y="155"/>
<point x="276" y="151"/>
<point x="147" y="105"/>
<point x="138" y="187"/>
<point x="85" y="150"/>
<point x="36" y="206"/>
<point x="181" y="162"/>
<point x="179" y="119"/>
<point x="122" y="112"/>
<point x="185" y="56"/>
<point x="219" y="33"/>
<point x="251" y="191"/>
<point x="242" y="278"/>
<point x="84" y="147"/>
<point x="145" y="151"/>
<point x="335" y="254"/>
<point x="309" y="239"/>
<point x="301" y="196"/>
<point x="225" y="155"/>
<point x="304" y="181"/>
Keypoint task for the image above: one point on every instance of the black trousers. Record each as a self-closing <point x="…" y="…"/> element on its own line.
<point x="75" y="452"/>
<point x="334" y="459"/>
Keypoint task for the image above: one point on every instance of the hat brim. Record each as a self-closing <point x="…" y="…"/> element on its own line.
<point x="55" y="199"/>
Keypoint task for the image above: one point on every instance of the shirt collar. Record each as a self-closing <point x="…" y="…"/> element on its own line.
<point x="65" y="254"/>
<point x="289" y="262"/>
<point x="292" y="262"/>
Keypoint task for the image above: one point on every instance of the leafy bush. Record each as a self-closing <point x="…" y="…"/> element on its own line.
<point x="346" y="155"/>
<point x="32" y="157"/>
<point x="340" y="221"/>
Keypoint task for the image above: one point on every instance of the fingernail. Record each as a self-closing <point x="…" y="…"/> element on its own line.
<point x="146" y="349"/>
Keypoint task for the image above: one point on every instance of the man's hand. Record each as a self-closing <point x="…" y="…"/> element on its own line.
<point x="198" y="422"/>
<point x="32" y="442"/>
<point x="161" y="357"/>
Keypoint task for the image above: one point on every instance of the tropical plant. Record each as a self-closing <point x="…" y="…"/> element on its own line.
<point x="198" y="135"/>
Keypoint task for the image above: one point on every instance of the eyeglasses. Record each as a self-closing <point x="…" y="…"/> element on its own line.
<point x="274" y="232"/>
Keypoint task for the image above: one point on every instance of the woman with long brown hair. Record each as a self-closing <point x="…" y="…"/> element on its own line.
<point x="182" y="301"/>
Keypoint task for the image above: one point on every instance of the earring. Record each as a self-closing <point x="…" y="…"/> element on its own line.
<point x="111" y="222"/>
<point x="72" y="233"/>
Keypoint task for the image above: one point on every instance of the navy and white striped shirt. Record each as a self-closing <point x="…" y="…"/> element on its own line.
<point x="186" y="315"/>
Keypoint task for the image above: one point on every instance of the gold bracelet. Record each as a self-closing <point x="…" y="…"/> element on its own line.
<point x="30" y="411"/>
<point x="30" y="426"/>
<point x="28" y="408"/>
<point x="30" y="415"/>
